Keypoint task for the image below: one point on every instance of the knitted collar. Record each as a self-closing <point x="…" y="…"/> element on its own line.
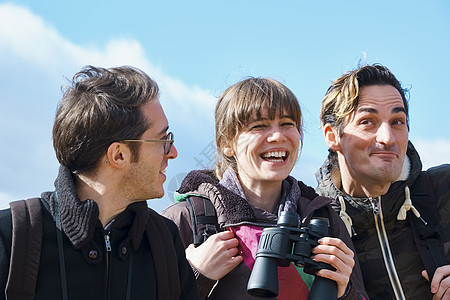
<point x="79" y="219"/>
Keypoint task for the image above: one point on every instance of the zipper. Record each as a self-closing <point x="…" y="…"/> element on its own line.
<point x="385" y="248"/>
<point x="108" y="251"/>
<point x="108" y="242"/>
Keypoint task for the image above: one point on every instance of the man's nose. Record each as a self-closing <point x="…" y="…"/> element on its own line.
<point x="385" y="134"/>
<point x="173" y="153"/>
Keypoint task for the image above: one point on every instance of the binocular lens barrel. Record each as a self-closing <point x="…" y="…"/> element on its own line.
<point x="275" y="249"/>
<point x="263" y="282"/>
<point x="319" y="226"/>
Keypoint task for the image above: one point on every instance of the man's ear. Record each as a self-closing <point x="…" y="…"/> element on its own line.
<point x="228" y="151"/>
<point x="117" y="154"/>
<point x="331" y="138"/>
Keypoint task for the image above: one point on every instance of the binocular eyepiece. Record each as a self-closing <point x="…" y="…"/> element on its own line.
<point x="286" y="243"/>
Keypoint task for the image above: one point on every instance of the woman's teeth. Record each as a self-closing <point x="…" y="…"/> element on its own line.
<point x="274" y="156"/>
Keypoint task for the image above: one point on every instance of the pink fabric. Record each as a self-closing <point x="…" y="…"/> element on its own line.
<point x="290" y="283"/>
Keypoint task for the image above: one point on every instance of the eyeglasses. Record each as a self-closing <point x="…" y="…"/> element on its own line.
<point x="168" y="141"/>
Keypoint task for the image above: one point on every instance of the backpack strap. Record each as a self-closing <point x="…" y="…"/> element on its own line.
<point x="427" y="236"/>
<point x="164" y="257"/>
<point x="203" y="218"/>
<point x="25" y="248"/>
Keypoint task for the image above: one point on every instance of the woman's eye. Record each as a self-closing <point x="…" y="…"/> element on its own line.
<point x="258" y="126"/>
<point x="288" y="124"/>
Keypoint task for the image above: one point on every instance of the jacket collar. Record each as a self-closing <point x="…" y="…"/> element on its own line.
<point x="79" y="219"/>
<point x="329" y="179"/>
<point x="233" y="208"/>
<point x="232" y="211"/>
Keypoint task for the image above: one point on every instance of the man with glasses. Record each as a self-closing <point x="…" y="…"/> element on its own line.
<point x="99" y="238"/>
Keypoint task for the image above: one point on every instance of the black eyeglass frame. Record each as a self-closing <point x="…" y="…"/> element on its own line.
<point x="168" y="142"/>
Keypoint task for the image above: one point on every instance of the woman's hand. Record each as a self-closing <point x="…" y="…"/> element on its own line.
<point x="336" y="253"/>
<point x="217" y="256"/>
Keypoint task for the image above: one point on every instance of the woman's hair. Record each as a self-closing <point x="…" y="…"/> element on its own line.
<point x="240" y="101"/>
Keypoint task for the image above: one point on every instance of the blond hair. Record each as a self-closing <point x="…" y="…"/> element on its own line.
<point x="342" y="97"/>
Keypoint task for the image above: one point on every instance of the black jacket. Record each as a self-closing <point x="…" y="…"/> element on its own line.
<point x="100" y="263"/>
<point x="406" y="258"/>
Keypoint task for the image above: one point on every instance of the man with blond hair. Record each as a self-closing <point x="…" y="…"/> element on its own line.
<point x="397" y="215"/>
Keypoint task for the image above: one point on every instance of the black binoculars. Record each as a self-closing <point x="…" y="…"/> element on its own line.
<point x="286" y="243"/>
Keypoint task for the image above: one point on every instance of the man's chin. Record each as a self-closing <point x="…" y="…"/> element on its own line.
<point x="389" y="174"/>
<point x="159" y="195"/>
<point x="155" y="194"/>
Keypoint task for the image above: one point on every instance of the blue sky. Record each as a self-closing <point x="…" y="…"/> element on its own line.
<point x="196" y="49"/>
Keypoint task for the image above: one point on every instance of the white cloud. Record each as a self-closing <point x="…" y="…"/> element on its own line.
<point x="28" y="37"/>
<point x="433" y="152"/>
<point x="31" y="39"/>
<point x="28" y="163"/>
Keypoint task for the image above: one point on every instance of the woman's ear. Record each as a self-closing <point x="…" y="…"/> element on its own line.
<point x="228" y="151"/>
<point x="331" y="137"/>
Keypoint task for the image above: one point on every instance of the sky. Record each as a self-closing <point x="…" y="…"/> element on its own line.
<point x="195" y="50"/>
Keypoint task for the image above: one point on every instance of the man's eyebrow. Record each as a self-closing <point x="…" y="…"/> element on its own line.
<point x="367" y="109"/>
<point x="399" y="109"/>
<point x="396" y="109"/>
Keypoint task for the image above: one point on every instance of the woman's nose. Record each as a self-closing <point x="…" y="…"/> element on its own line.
<point x="275" y="134"/>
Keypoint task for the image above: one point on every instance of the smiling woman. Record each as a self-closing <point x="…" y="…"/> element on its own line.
<point x="258" y="136"/>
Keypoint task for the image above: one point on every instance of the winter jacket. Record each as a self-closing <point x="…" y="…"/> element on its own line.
<point x="100" y="263"/>
<point x="363" y="213"/>
<point x="235" y="213"/>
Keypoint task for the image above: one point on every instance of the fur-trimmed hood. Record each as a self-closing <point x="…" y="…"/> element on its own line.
<point x="236" y="209"/>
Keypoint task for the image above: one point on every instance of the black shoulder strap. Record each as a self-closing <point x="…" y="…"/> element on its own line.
<point x="203" y="218"/>
<point x="164" y="257"/>
<point x="25" y="248"/>
<point x="427" y="236"/>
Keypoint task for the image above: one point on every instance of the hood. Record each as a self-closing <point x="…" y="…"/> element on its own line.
<point x="233" y="209"/>
<point x="204" y="183"/>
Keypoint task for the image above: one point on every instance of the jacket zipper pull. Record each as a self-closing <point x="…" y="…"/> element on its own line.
<point x="375" y="206"/>
<point x="107" y="242"/>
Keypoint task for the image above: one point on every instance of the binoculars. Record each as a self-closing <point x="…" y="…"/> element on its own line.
<point x="286" y="243"/>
